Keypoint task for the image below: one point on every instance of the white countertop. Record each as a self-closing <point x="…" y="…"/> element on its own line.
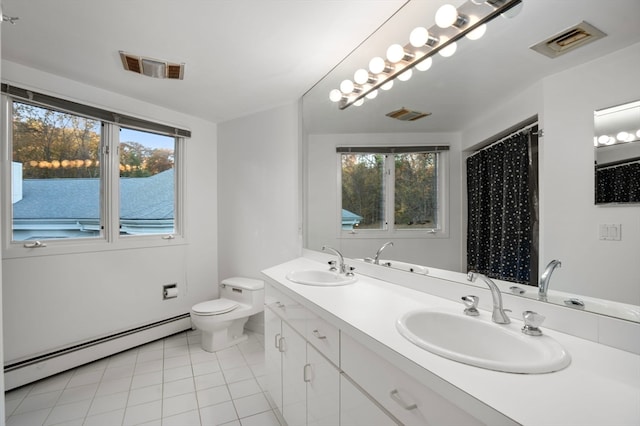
<point x="601" y="386"/>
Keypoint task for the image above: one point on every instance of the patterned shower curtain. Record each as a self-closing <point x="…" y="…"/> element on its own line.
<point x="619" y="183"/>
<point x="501" y="222"/>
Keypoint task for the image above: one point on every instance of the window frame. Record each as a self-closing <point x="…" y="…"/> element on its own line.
<point x="110" y="238"/>
<point x="442" y="229"/>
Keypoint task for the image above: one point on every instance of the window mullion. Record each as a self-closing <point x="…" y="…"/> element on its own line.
<point x="390" y="191"/>
<point x="111" y="190"/>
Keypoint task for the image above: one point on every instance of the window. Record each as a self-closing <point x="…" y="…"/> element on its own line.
<point x="394" y="189"/>
<point x="78" y="177"/>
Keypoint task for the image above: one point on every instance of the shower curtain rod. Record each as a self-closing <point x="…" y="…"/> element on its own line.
<point x="512" y="133"/>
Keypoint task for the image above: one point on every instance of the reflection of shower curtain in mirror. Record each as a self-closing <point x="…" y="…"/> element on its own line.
<point x="619" y="183"/>
<point x="502" y="212"/>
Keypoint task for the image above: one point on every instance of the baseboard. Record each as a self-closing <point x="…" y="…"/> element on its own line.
<point x="30" y="370"/>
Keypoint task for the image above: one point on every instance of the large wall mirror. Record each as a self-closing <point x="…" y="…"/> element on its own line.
<point x="617" y="154"/>
<point x="485" y="89"/>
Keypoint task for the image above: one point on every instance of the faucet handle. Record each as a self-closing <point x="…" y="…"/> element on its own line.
<point x="332" y="264"/>
<point x="532" y="322"/>
<point x="471" y="303"/>
<point x="349" y="270"/>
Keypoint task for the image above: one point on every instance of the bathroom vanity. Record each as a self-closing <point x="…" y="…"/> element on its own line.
<point x="334" y="356"/>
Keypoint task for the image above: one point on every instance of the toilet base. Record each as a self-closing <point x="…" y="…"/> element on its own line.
<point x="224" y="338"/>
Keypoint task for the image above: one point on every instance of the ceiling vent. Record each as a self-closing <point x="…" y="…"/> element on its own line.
<point x="404" y="114"/>
<point x="568" y="40"/>
<point x="152" y="67"/>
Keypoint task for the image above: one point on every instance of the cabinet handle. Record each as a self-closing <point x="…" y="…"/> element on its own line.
<point x="306" y="375"/>
<point x="395" y="395"/>
<point x="281" y="343"/>
<point x="316" y="333"/>
<point x="277" y="341"/>
<point x="36" y="244"/>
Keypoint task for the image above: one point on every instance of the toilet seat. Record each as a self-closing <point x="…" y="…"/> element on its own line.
<point x="215" y="307"/>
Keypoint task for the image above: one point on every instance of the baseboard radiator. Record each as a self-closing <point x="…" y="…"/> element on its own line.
<point x="25" y="371"/>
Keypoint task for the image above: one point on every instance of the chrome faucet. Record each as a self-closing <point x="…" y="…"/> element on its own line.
<point x="543" y="285"/>
<point x="376" y="260"/>
<point x="499" y="316"/>
<point x="342" y="268"/>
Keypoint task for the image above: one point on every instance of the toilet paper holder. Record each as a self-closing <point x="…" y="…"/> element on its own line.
<point x="169" y="291"/>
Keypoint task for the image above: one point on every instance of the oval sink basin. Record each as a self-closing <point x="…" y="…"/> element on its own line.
<point x="320" y="278"/>
<point x="482" y="343"/>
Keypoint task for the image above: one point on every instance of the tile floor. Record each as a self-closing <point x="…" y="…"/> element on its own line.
<point x="168" y="382"/>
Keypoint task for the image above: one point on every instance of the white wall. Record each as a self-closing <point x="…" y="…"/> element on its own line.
<point x="323" y="204"/>
<point x="53" y="301"/>
<point x="2" y="414"/>
<point x="258" y="180"/>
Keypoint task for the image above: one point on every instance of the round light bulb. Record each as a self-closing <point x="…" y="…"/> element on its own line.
<point x="395" y="53"/>
<point x="611" y="140"/>
<point x="595" y="141"/>
<point x="603" y="139"/>
<point x="446" y="16"/>
<point x="638" y="133"/>
<point x="622" y="136"/>
<point x="477" y="33"/>
<point x="405" y="75"/>
<point x="377" y="65"/>
<point x="419" y="37"/>
<point x="424" y="65"/>
<point x="346" y="86"/>
<point x="387" y="86"/>
<point x="361" y="76"/>
<point x="449" y="50"/>
<point x="372" y="94"/>
<point x="359" y="102"/>
<point x="335" y="95"/>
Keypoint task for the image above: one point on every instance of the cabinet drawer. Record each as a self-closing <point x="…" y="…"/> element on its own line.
<point x="409" y="400"/>
<point x="324" y="337"/>
<point x="286" y="308"/>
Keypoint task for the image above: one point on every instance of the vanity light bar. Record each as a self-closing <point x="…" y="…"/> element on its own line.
<point x="440" y="38"/>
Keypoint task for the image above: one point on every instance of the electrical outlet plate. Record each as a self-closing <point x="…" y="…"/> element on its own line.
<point x="610" y="232"/>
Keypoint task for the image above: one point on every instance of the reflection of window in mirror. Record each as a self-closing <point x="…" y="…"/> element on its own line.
<point x="617" y="154"/>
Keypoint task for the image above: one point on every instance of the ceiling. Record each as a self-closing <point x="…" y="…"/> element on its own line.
<point x="241" y="56"/>
<point x="480" y="75"/>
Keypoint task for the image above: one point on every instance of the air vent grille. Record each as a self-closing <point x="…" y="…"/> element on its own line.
<point x="152" y="67"/>
<point x="568" y="40"/>
<point x="404" y="114"/>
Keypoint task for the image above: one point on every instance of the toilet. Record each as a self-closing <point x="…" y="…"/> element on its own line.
<point x="221" y="321"/>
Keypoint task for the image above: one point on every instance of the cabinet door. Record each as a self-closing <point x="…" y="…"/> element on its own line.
<point x="356" y="409"/>
<point x="272" y="355"/>
<point x="294" y="392"/>
<point x="323" y="384"/>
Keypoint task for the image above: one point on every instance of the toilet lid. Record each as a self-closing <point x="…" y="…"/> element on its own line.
<point x="214" y="307"/>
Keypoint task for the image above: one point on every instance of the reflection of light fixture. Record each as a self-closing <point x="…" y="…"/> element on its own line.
<point x="452" y="24"/>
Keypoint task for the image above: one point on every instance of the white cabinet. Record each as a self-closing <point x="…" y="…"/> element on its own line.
<point x="294" y="388"/>
<point x="356" y="409"/>
<point x="323" y="381"/>
<point x="272" y="355"/>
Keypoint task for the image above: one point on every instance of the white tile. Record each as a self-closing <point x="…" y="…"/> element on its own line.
<point x="177" y="361"/>
<point x="149" y="366"/>
<point x="255" y="357"/>
<point x="178" y="373"/>
<point x="268" y="418"/>
<point x="244" y="388"/>
<point x="21" y="392"/>
<point x="30" y="418"/>
<point x="119" y="371"/>
<point x="108" y="387"/>
<point x="144" y="395"/>
<point x="178" y="387"/>
<point x="79" y="393"/>
<point x="176" y="351"/>
<point x="10" y="405"/>
<point x="190" y="418"/>
<point x="258" y="369"/>
<point x="100" y="364"/>
<point x="57" y="382"/>
<point x="151" y="346"/>
<point x="209" y="380"/>
<point x="198" y="356"/>
<point x="175" y="340"/>
<point x="66" y="412"/>
<point x="103" y="404"/>
<point x="123" y="358"/>
<point x="85" y="378"/>
<point x="250" y="405"/>
<point x="38" y="402"/>
<point x="230" y="363"/>
<point x="179" y="404"/>
<point x="233" y="423"/>
<point x="150" y="355"/>
<point x="205" y="367"/>
<point x="75" y="422"/>
<point x="232" y="352"/>
<point x="218" y="414"/>
<point x="238" y="374"/>
<point x="213" y="396"/>
<point x="109" y="418"/>
<point x="137" y="414"/>
<point x="146" y="379"/>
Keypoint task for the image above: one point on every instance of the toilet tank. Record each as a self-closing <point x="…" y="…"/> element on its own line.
<point x="243" y="290"/>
